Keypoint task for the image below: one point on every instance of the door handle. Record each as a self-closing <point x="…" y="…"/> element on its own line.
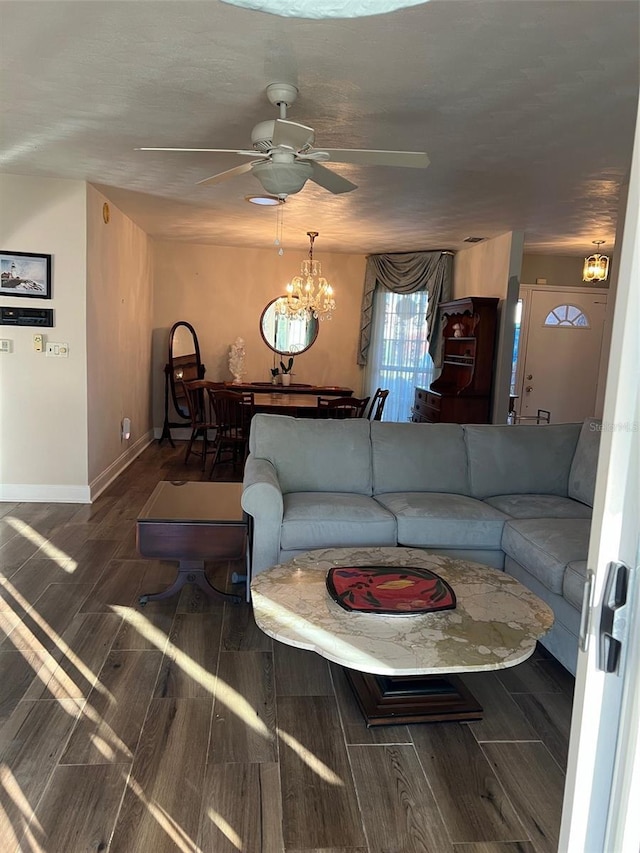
<point x="612" y="617"/>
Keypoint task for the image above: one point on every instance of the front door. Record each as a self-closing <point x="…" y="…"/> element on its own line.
<point x="561" y="357"/>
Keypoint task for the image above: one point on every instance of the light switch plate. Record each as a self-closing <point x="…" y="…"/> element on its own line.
<point x="6" y="345"/>
<point x="57" y="350"/>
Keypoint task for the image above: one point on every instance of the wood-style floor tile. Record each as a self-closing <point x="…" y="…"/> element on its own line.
<point x="536" y="793"/>
<point x="528" y="677"/>
<point x="32" y="578"/>
<point x="191" y="657"/>
<point x="353" y="723"/>
<point x="398" y="809"/>
<point x="72" y="671"/>
<point x="300" y="672"/>
<point x="550" y="715"/>
<point x="17" y="671"/>
<point x="112" y="719"/>
<point x="51" y="614"/>
<point x="161" y="807"/>
<point x="120" y="584"/>
<point x="240" y="632"/>
<point x="319" y="803"/>
<point x="16" y="552"/>
<point x="143" y="625"/>
<point x="88" y="798"/>
<point x="490" y="847"/>
<point x="242" y="809"/>
<point x="30" y="744"/>
<point x="470" y="798"/>
<point x="503" y="719"/>
<point x="244" y="712"/>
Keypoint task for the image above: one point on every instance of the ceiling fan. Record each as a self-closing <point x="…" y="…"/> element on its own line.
<point x="284" y="158"/>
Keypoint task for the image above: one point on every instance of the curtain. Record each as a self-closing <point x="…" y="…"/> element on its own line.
<point x="406" y="272"/>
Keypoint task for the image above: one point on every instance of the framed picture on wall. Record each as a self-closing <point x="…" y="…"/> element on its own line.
<point x="25" y="274"/>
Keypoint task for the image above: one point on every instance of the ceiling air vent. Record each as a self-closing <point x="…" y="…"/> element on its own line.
<point x="474" y="239"/>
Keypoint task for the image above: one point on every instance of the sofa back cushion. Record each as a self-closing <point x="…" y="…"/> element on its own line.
<point x="315" y="455"/>
<point x="419" y="458"/>
<point x="520" y="459"/>
<point x="582" y="477"/>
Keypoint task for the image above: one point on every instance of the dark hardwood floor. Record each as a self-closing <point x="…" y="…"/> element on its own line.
<point x="182" y="727"/>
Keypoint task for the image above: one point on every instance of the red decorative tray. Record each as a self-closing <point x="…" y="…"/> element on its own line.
<point x="391" y="591"/>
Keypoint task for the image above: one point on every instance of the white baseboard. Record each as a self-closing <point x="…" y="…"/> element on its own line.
<point x="100" y="483"/>
<point x="43" y="493"/>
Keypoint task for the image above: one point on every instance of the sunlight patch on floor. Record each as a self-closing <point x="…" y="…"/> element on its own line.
<point x="226" y="829"/>
<point x="312" y="761"/>
<point x="173" y="829"/>
<point x="66" y="563"/>
<point x="50" y="667"/>
<point x="233" y="700"/>
<point x="10" y="786"/>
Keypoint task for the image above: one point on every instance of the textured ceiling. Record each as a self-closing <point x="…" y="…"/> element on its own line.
<point x="526" y="110"/>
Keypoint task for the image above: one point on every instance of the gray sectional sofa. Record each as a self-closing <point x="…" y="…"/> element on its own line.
<point x="517" y="498"/>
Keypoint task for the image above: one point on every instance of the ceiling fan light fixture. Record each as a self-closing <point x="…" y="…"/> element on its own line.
<point x="264" y="200"/>
<point x="282" y="178"/>
<point x="596" y="266"/>
<point x="324" y="8"/>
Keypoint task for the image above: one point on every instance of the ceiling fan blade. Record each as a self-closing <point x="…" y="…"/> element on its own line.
<point x="209" y="151"/>
<point x="291" y="134"/>
<point x="230" y="173"/>
<point x="329" y="180"/>
<point x="366" y="157"/>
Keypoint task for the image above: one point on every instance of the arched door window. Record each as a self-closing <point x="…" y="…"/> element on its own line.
<point x="567" y="315"/>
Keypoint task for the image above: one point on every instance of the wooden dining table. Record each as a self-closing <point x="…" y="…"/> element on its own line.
<point x="293" y="404"/>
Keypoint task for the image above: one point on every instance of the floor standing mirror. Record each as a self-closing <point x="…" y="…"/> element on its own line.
<point x="183" y="365"/>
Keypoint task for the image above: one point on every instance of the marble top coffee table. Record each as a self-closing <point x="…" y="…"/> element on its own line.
<point x="402" y="667"/>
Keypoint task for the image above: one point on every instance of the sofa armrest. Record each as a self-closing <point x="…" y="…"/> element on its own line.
<point x="262" y="500"/>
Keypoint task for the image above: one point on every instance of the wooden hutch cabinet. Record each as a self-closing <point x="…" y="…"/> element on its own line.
<point x="462" y="392"/>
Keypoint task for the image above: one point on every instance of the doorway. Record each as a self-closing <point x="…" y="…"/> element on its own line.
<point x="560" y="346"/>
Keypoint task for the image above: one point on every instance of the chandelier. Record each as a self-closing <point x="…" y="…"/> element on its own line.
<point x="309" y="292"/>
<point x="596" y="266"/>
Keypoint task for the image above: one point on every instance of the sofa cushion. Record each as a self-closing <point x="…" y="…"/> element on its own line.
<point x="314" y="455"/>
<point x="418" y="458"/>
<point x="520" y="459"/>
<point x="544" y="546"/>
<point x="432" y="519"/>
<point x="582" y="476"/>
<point x="539" y="506"/>
<point x="332" y="519"/>
<point x="575" y="576"/>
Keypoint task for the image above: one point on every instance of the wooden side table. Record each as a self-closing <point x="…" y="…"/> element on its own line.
<point x="192" y="522"/>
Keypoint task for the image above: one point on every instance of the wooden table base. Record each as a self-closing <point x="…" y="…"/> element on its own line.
<point x="397" y="700"/>
<point x="191" y="571"/>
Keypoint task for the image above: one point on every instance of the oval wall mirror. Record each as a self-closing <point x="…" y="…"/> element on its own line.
<point x="287" y="335"/>
<point x="183" y="364"/>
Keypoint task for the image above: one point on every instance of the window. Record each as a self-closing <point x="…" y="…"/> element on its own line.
<point x="399" y="356"/>
<point x="516" y="348"/>
<point x="567" y="315"/>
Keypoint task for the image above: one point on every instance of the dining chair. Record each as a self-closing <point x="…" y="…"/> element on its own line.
<point x="233" y="412"/>
<point x="342" y="407"/>
<point x="377" y="405"/>
<point x="201" y="416"/>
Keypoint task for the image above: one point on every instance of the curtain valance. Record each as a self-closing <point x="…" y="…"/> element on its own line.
<point x="406" y="272"/>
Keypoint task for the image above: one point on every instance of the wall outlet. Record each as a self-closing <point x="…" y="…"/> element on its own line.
<point x="57" y="350"/>
<point x="37" y="343"/>
<point x="6" y="345"/>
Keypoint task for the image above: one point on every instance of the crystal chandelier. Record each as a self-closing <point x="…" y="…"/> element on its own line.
<point x="596" y="266"/>
<point x="309" y="292"/>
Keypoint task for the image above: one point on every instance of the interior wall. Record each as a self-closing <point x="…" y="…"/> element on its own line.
<point x="119" y="335"/>
<point x="557" y="270"/>
<point x="493" y="268"/>
<point x="43" y="400"/>
<point x="222" y="293"/>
